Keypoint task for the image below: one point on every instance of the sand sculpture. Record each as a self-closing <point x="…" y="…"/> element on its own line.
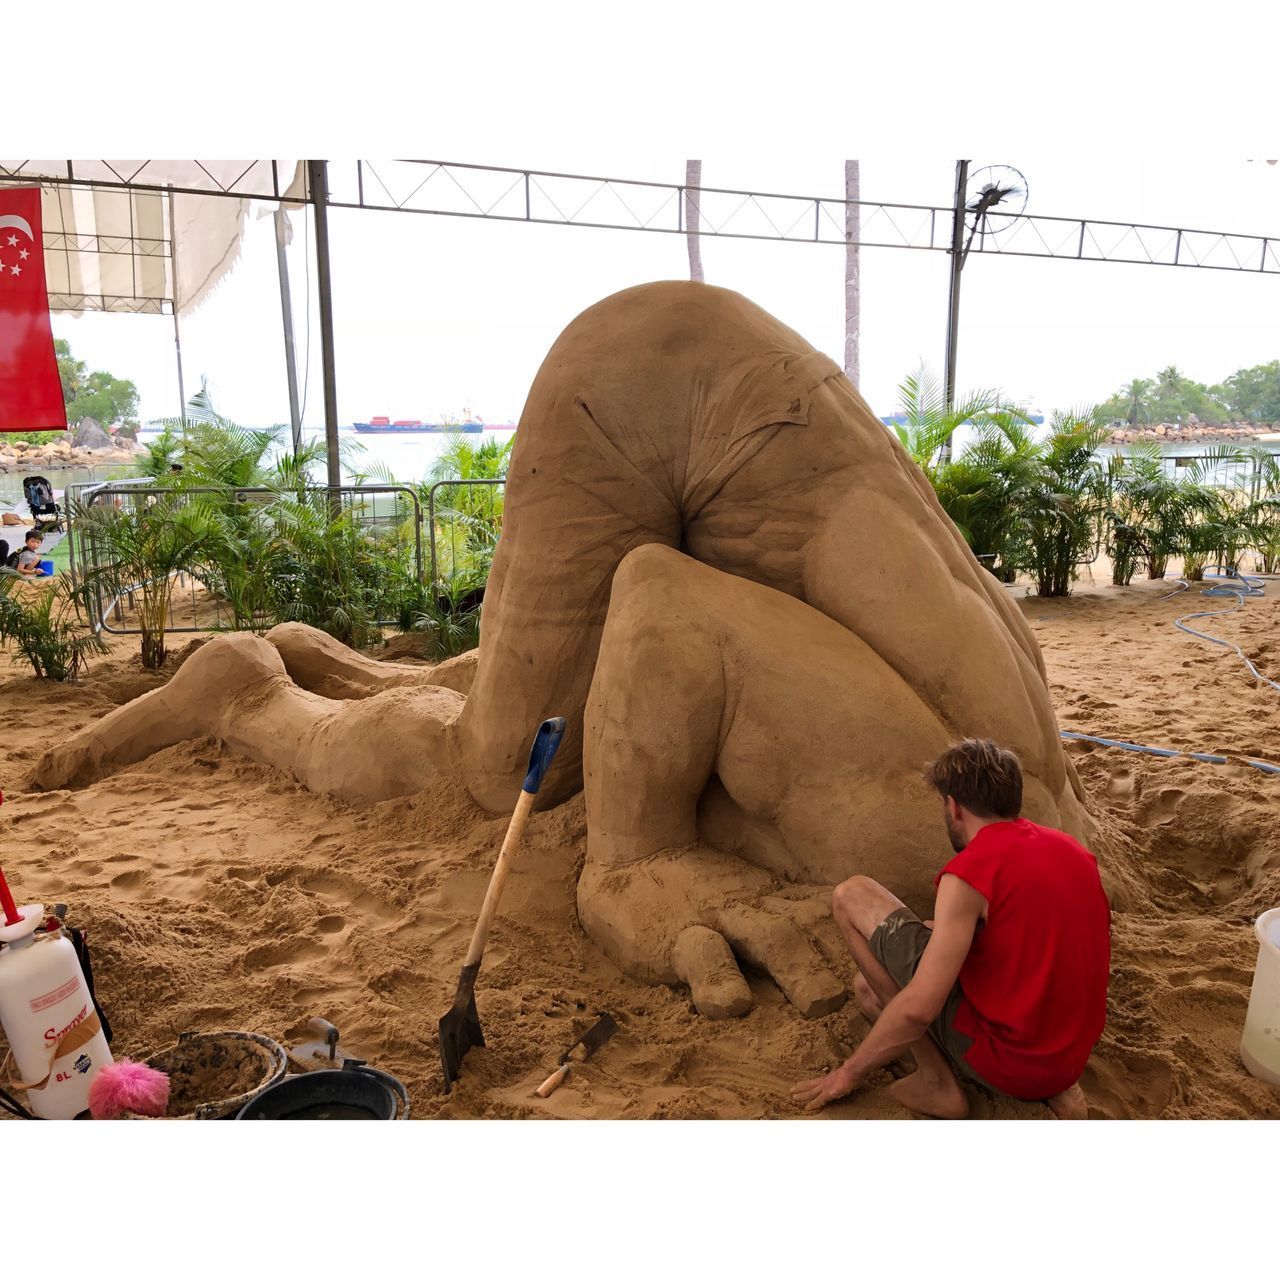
<point x="745" y="598"/>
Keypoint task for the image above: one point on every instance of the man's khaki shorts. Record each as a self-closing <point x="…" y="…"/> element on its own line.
<point x="898" y="943"/>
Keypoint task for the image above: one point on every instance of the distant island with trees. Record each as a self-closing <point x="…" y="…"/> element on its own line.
<point x="1247" y="396"/>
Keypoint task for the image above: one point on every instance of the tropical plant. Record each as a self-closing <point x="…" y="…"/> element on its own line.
<point x="1125" y="539"/>
<point x="1218" y="526"/>
<point x="468" y="515"/>
<point x="979" y="490"/>
<point x="928" y="424"/>
<point x="138" y="550"/>
<point x="451" y="621"/>
<point x="1152" y="505"/>
<point x="41" y="622"/>
<point x="1061" y="509"/>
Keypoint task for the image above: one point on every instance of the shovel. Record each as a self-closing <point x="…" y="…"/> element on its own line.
<point x="460" y="1027"/>
<point x="590" y="1042"/>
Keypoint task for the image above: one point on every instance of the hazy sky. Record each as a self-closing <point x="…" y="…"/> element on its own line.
<point x="435" y="314"/>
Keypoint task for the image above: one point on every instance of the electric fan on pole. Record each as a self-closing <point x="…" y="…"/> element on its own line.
<point x="996" y="189"/>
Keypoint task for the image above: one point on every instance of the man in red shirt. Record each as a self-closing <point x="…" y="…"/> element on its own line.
<point x="1007" y="985"/>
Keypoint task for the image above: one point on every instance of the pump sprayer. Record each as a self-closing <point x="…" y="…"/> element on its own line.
<point x="55" y="1036"/>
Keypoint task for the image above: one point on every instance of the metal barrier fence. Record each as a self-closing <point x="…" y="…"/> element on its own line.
<point x="1228" y="472"/>
<point x="393" y="512"/>
<point x="464" y="523"/>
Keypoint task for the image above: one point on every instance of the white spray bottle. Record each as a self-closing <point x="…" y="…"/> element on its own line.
<point x="55" y="1035"/>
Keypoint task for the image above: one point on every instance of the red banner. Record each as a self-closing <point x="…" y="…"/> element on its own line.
<point x="30" y="391"/>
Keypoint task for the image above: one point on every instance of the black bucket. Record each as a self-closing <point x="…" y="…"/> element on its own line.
<point x="356" y="1092"/>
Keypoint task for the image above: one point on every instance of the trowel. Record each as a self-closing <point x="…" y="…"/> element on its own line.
<point x="313" y="1053"/>
<point x="590" y="1042"/>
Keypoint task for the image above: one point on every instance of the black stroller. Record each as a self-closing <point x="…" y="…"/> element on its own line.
<point x="46" y="513"/>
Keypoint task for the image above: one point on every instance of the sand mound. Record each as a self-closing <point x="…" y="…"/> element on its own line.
<point x="220" y="894"/>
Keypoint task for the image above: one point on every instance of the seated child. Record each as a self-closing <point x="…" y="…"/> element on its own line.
<point x="29" y="557"/>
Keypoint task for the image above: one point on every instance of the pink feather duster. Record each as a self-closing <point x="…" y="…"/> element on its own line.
<point x="128" y="1086"/>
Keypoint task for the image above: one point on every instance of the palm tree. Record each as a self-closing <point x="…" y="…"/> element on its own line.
<point x="693" y="215"/>
<point x="929" y="423"/>
<point x="1169" y="382"/>
<point x="140" y="550"/>
<point x="1137" y="394"/>
<point x="852" y="272"/>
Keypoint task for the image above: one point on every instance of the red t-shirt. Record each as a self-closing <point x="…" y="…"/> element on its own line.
<point x="1034" y="984"/>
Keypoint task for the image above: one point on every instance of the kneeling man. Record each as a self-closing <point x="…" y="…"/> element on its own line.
<point x="1007" y="985"/>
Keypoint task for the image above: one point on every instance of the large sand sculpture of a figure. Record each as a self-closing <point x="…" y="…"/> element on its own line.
<point x="729" y="577"/>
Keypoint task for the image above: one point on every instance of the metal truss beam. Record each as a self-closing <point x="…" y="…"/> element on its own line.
<point x="110" y="302"/>
<point x="257" y="180"/>
<point x="126" y="246"/>
<point x="448" y="189"/>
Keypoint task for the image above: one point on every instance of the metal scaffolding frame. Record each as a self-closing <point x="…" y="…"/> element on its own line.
<point x="491" y="192"/>
<point x="535" y="196"/>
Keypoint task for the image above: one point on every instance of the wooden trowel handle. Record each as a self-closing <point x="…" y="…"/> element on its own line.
<point x="553" y="1081"/>
<point x="501" y="869"/>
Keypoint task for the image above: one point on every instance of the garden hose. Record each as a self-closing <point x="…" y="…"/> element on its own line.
<point x="1169" y="753"/>
<point x="1230" y="584"/>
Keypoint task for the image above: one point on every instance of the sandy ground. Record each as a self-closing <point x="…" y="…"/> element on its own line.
<point x="219" y="893"/>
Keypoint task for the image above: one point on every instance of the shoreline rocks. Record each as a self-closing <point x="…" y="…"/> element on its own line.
<point x="1192" y="432"/>
<point x="61" y="454"/>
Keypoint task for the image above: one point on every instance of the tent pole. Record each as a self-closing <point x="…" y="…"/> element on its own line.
<point x="318" y="182"/>
<point x="177" y="333"/>
<point x="286" y="315"/>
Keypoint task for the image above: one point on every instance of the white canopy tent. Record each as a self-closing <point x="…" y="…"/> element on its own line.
<point x="154" y="237"/>
<point x="148" y="236"/>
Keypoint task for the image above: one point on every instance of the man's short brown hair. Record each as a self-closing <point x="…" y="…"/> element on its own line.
<point x="983" y="777"/>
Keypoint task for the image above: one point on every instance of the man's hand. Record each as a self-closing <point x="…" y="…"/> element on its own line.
<point x="813" y="1095"/>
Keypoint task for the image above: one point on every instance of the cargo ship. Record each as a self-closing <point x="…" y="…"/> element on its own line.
<point x="472" y="426"/>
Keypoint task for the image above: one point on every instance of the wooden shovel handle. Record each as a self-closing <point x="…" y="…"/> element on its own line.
<point x="501" y="870"/>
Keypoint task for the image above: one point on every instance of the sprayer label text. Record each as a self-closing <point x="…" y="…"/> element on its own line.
<point x="52" y="1037"/>
<point x="52" y="997"/>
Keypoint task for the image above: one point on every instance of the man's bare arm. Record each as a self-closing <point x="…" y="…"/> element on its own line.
<point x="910" y="1013"/>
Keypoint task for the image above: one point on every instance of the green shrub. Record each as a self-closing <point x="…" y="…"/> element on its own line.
<point x="44" y="628"/>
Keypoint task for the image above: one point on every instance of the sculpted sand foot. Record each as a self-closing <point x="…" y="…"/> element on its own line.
<point x="745" y="599"/>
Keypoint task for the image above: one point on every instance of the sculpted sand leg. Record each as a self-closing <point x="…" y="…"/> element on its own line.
<point x="236" y="689"/>
<point x="757" y="717"/>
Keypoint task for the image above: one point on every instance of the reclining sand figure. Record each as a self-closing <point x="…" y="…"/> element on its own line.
<point x="746" y="600"/>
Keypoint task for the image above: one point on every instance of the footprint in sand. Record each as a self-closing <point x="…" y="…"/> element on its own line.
<point x="1133" y="1086"/>
<point x="275" y="955"/>
<point x="128" y="880"/>
<point x="1120" y="784"/>
<point x="1163" y="806"/>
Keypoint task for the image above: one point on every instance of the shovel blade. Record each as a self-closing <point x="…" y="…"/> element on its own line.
<point x="460" y="1028"/>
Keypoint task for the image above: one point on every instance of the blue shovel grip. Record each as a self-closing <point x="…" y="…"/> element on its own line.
<point x="545" y="744"/>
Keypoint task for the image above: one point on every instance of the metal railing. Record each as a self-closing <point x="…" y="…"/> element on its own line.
<point x="478" y="524"/>
<point x="390" y="509"/>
